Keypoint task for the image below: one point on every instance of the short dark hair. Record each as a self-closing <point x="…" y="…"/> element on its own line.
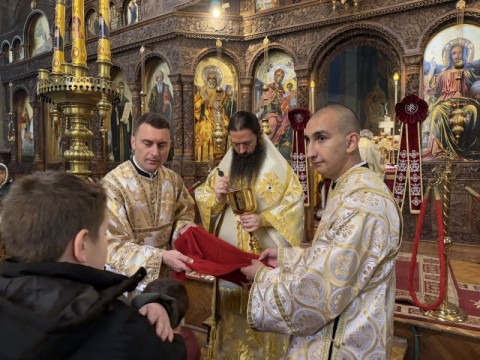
<point x="43" y="212"/>
<point x="244" y="120"/>
<point x="153" y="119"/>
<point x="174" y="289"/>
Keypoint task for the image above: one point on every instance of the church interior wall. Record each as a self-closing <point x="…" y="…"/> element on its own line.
<point x="181" y="35"/>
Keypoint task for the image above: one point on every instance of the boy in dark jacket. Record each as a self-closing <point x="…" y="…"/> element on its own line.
<point x="176" y="290"/>
<point x="56" y="301"/>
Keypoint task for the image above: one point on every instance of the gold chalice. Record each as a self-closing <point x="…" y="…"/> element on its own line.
<point x="244" y="202"/>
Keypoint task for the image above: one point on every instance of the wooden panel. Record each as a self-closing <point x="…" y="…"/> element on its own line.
<point x="439" y="343"/>
<point x="199" y="292"/>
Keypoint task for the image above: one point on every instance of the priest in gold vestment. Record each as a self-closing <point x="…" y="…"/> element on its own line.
<point x="148" y="204"/>
<point x="253" y="161"/>
<point x="336" y="298"/>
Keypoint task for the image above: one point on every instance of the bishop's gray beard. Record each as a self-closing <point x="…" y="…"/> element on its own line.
<point x="245" y="168"/>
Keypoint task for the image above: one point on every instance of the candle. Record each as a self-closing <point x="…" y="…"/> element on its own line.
<point x="59" y="36"/>
<point x="312" y="97"/>
<point x="79" y="51"/>
<point x="104" y="52"/>
<point x="10" y="85"/>
<point x="396" y="77"/>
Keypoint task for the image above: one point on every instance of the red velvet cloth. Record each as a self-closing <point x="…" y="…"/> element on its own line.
<point x="212" y="255"/>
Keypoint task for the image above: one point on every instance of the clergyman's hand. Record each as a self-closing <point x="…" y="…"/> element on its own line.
<point x="251" y="270"/>
<point x="251" y="222"/>
<point x="176" y="260"/>
<point x="158" y="317"/>
<point x="270" y="256"/>
<point x="222" y="188"/>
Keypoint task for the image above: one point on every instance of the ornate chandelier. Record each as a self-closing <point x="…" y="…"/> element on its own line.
<point x="344" y="3"/>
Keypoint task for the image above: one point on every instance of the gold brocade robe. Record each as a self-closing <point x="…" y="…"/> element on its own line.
<point x="347" y="277"/>
<point x="144" y="214"/>
<point x="279" y="197"/>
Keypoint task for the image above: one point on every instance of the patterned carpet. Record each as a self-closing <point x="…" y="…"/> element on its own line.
<point x="426" y="285"/>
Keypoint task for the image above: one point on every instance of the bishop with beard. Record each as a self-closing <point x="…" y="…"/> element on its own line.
<point x="252" y="162"/>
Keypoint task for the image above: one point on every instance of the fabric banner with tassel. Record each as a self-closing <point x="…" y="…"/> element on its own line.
<point x="298" y="120"/>
<point x="411" y="111"/>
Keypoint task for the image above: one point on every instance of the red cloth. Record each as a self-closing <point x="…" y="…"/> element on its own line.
<point x="191" y="344"/>
<point x="212" y="255"/>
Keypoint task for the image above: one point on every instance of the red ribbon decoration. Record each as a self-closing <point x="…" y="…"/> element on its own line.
<point x="298" y="120"/>
<point x="411" y="111"/>
<point x="441" y="249"/>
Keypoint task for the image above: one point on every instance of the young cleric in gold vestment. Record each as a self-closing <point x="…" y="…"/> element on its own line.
<point x="253" y="161"/>
<point x="148" y="204"/>
<point x="336" y="298"/>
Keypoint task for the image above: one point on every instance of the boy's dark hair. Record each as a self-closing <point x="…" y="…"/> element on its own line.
<point x="173" y="288"/>
<point x="43" y="212"/>
<point x="153" y="119"/>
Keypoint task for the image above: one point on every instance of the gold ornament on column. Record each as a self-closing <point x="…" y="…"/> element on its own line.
<point x="143" y="92"/>
<point x="458" y="118"/>
<point x="265" y="125"/>
<point x="77" y="96"/>
<point x="219" y="131"/>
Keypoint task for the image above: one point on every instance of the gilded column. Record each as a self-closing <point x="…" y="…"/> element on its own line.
<point x="58" y="38"/>
<point x="246" y="93"/>
<point x="79" y="51"/>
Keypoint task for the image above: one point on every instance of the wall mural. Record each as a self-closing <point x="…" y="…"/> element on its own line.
<point x="24" y="127"/>
<point x="215" y="100"/>
<point x="159" y="93"/>
<point x="40" y="36"/>
<point x="92" y="24"/>
<point x="120" y="125"/>
<point x="365" y="86"/>
<point x="132" y="12"/>
<point x="447" y="86"/>
<point x="280" y="97"/>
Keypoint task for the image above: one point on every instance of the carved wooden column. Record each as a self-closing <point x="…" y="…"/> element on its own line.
<point x="139" y="11"/>
<point x="246" y="93"/>
<point x="177" y="130"/>
<point x="303" y="81"/>
<point x="188" y="165"/>
<point x="135" y="89"/>
<point x="99" y="144"/>
<point x="411" y="79"/>
<point x="14" y="143"/>
<point x="38" y="137"/>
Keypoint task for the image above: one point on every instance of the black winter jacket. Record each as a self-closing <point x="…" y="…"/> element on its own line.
<point x="69" y="311"/>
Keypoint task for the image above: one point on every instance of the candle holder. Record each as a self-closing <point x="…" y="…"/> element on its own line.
<point x="74" y="94"/>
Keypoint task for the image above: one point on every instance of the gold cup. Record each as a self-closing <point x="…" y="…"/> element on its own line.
<point x="244" y="202"/>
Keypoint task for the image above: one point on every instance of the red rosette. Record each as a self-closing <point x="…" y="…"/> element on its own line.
<point x="411" y="110"/>
<point x="298" y="118"/>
